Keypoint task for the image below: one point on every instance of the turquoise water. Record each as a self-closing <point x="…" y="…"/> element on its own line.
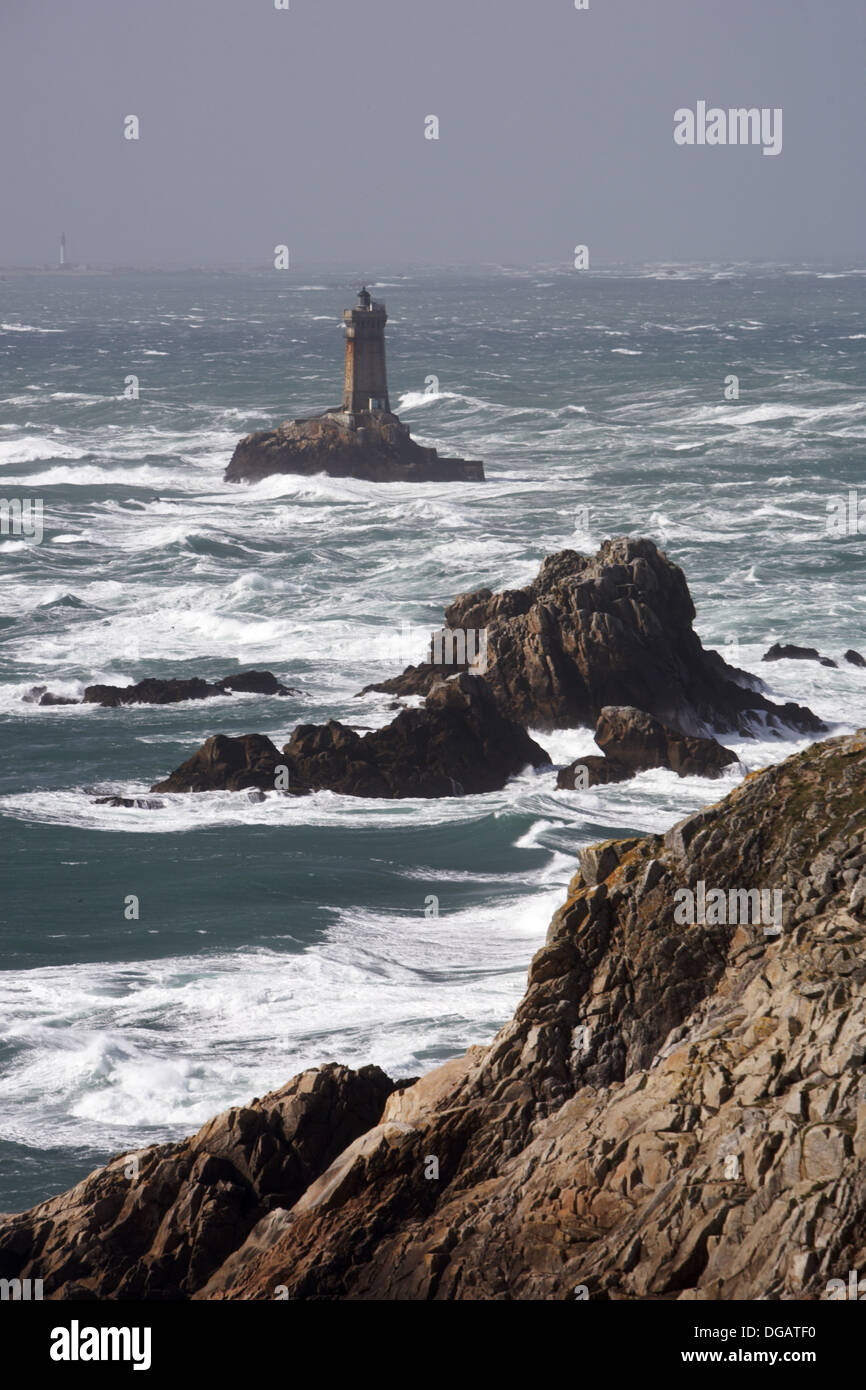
<point x="276" y="935"/>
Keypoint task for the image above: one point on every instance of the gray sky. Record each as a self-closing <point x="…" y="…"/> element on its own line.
<point x="306" y="127"/>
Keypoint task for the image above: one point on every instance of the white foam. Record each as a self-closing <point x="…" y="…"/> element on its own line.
<point x="27" y="328"/>
<point x="116" y="1051"/>
<point x="35" y="449"/>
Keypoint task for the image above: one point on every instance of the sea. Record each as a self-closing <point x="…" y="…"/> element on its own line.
<point x="160" y="965"/>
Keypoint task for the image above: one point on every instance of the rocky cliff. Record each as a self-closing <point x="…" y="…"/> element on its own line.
<point x="676" y="1110"/>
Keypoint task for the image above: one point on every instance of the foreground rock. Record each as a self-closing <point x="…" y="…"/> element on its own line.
<point x="675" y="1110"/>
<point x="155" y="691"/>
<point x="788" y="652"/>
<point x="376" y="447"/>
<point x="632" y="741"/>
<point x="156" y="1224"/>
<point x="611" y="629"/>
<point x="457" y="744"/>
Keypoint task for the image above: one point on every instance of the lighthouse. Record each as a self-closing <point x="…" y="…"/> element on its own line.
<point x="360" y="438"/>
<point x="62" y="250"/>
<point x="365" y="388"/>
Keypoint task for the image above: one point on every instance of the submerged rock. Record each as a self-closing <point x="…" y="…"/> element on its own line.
<point x="674" y="1111"/>
<point x="611" y="629"/>
<point x="254" y="683"/>
<point x="457" y="744"/>
<point x="138" y="803"/>
<point x="788" y="652"/>
<point x="854" y="658"/>
<point x="154" y="690"/>
<point x="41" y="695"/>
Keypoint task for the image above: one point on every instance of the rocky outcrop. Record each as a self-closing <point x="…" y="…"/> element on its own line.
<point x="155" y="691"/>
<point x="676" y="1111"/>
<point x="157" y="1223"/>
<point x="376" y="447"/>
<point x="592" y="770"/>
<point x="788" y="652"/>
<point x="632" y="741"/>
<point x="227" y="764"/>
<point x="854" y="658"/>
<point x="457" y="744"/>
<point x="611" y="629"/>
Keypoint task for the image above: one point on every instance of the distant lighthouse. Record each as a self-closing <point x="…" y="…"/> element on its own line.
<point x="366" y="384"/>
<point x="62" y="250"/>
<point x="360" y="438"/>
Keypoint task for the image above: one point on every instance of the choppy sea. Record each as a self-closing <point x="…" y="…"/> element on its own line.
<point x="278" y="935"/>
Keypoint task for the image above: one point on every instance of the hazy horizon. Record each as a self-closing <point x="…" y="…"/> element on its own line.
<point x="407" y="268"/>
<point x="306" y="128"/>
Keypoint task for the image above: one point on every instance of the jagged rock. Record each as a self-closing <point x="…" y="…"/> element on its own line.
<point x="787" y="652"/>
<point x="635" y="740"/>
<point x="597" y="862"/>
<point x="457" y="744"/>
<point x="376" y="447"/>
<point x="155" y="1224"/>
<point x="675" y="1110"/>
<point x="611" y="629"/>
<point x="228" y="764"/>
<point x="632" y="741"/>
<point x="153" y="690"/>
<point x="854" y="658"/>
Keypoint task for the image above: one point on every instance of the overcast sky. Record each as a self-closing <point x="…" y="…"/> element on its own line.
<point x="306" y="127"/>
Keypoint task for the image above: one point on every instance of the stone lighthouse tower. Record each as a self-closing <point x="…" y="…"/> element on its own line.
<point x="359" y="439"/>
<point x="366" y="383"/>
